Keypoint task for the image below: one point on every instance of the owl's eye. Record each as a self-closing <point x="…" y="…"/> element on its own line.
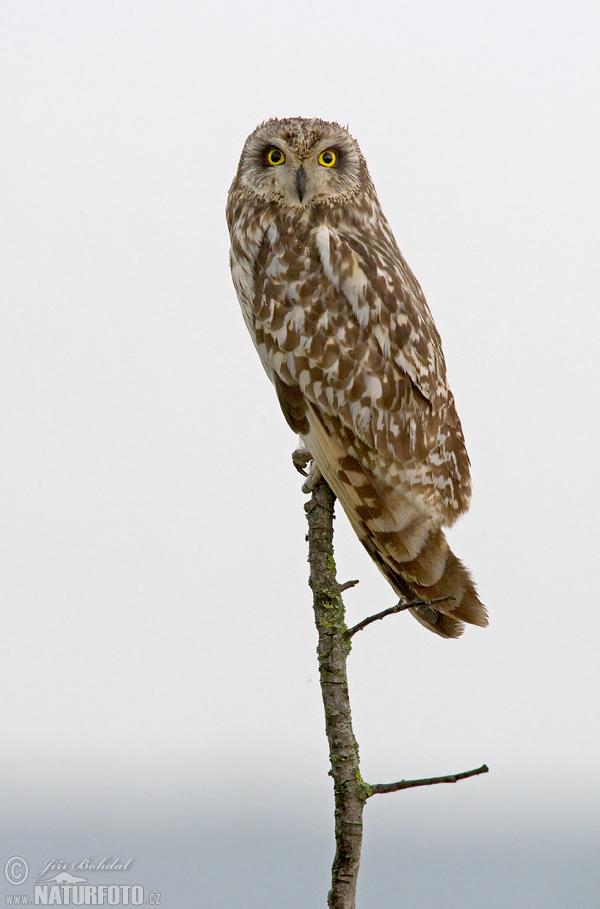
<point x="327" y="158"/>
<point x="275" y="156"/>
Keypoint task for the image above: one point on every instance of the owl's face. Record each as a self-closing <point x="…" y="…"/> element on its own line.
<point x="301" y="162"/>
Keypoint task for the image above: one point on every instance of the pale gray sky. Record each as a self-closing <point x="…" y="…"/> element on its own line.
<point x="158" y="671"/>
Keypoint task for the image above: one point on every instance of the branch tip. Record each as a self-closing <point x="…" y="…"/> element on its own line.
<point x="431" y="781"/>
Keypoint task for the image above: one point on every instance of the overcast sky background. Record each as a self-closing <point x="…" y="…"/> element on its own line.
<point x="159" y="689"/>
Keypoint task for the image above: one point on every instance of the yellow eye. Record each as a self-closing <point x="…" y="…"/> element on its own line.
<point x="275" y="156"/>
<point x="327" y="158"/>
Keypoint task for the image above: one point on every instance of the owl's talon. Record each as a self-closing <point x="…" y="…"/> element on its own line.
<point x="301" y="458"/>
<point x="313" y="478"/>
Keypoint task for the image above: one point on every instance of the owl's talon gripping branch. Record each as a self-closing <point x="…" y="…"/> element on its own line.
<point x="314" y="475"/>
<point x="301" y="458"/>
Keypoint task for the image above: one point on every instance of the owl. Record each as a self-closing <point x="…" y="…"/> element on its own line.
<point x="345" y="335"/>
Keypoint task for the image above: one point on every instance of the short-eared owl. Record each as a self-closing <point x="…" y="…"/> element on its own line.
<point x="345" y="335"/>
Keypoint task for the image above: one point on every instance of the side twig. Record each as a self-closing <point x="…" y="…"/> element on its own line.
<point x="431" y="781"/>
<point x="399" y="607"/>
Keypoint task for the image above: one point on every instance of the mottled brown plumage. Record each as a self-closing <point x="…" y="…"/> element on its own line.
<point x="346" y="336"/>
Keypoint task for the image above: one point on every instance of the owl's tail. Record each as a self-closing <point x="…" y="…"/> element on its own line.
<point x="408" y="546"/>
<point x="433" y="572"/>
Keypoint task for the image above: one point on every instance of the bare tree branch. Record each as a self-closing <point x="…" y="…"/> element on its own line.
<point x="399" y="607"/>
<point x="431" y="781"/>
<point x="350" y="792"/>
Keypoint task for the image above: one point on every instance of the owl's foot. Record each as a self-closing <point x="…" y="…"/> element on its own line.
<point x="314" y="476"/>
<point x="301" y="458"/>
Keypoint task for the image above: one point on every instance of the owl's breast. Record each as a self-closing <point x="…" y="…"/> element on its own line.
<point x="309" y="334"/>
<point x="299" y="316"/>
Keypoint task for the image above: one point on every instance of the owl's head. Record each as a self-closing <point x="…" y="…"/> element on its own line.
<point x="301" y="162"/>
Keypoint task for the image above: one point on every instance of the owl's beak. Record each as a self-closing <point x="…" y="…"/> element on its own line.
<point x="301" y="182"/>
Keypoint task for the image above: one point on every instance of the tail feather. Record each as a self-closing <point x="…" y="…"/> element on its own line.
<point x="456" y="582"/>
<point x="407" y="545"/>
<point x="444" y="625"/>
<point x="446" y="618"/>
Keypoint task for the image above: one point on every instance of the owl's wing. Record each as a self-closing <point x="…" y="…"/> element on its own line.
<point x="349" y="342"/>
<point x="383" y="292"/>
<point x="341" y="320"/>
